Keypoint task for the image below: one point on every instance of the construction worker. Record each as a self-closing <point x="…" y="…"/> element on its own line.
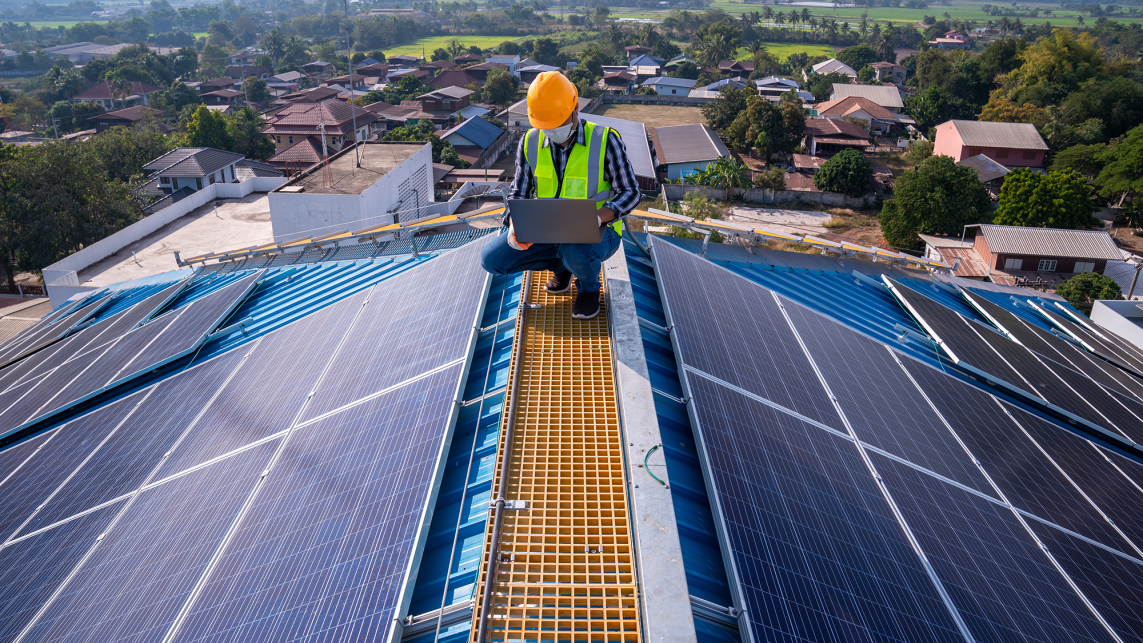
<point x="557" y="154"/>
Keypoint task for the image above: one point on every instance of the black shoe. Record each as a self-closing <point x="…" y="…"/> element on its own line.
<point x="561" y="282"/>
<point x="586" y="305"/>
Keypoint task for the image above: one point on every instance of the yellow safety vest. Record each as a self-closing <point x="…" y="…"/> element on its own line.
<point x="583" y="176"/>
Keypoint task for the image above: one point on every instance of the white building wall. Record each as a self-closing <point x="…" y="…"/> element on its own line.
<point x="1120" y="317"/>
<point x="296" y="215"/>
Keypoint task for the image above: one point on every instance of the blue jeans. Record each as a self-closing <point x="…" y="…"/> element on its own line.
<point x="583" y="260"/>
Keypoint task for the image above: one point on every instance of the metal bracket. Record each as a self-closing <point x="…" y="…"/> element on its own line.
<point x="516" y="505"/>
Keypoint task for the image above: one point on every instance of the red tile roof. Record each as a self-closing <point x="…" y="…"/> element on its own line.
<point x="454" y="78"/>
<point x="132" y="114"/>
<point x="305" y="117"/>
<point x="306" y="151"/>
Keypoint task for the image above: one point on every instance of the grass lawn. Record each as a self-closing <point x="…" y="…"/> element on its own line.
<point x="784" y="49"/>
<point x="429" y="44"/>
<point x="655" y="115"/>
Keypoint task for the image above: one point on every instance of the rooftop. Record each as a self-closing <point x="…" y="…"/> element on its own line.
<point x="192" y="161"/>
<point x="687" y="144"/>
<point x="1018" y="136"/>
<point x="850" y="104"/>
<point x="883" y="95"/>
<point x="986" y="168"/>
<point x="835" y="127"/>
<point x="1050" y="242"/>
<point x="476" y="130"/>
<point x="378" y="158"/>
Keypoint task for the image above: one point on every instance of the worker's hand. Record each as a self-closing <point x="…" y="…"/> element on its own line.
<point x="512" y="243"/>
<point x="605" y="215"/>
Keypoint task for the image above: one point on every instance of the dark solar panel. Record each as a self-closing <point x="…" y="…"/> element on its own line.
<point x="123" y="322"/>
<point x="46" y="470"/>
<point x="12" y="459"/>
<point x="39" y="334"/>
<point x="1105" y="349"/>
<point x="414" y="322"/>
<point x="884" y="407"/>
<point x="323" y="550"/>
<point x="28" y="399"/>
<point x="133" y="451"/>
<point x="818" y="553"/>
<point x="141" y="574"/>
<point x="961" y="339"/>
<point x="732" y="328"/>
<point x="269" y="388"/>
<point x="32" y="569"/>
<point x="1004" y="586"/>
<point x="1113" y="584"/>
<point x="1100" y="480"/>
<point x="1023" y="473"/>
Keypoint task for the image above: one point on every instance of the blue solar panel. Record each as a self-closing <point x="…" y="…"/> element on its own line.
<point x="729" y="327"/>
<point x="883" y="406"/>
<point x="32" y="569"/>
<point x="14" y="457"/>
<point x="269" y="388"/>
<point x="1112" y="583"/>
<point x="133" y="451"/>
<point x="414" y="322"/>
<point x="325" y="546"/>
<point x="1004" y="586"/>
<point x="139" y="577"/>
<point x="45" y="471"/>
<point x="818" y="553"/>
<point x="39" y="334"/>
<point x="1028" y="479"/>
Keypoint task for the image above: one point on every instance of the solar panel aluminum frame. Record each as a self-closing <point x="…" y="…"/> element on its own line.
<point x="1071" y="316"/>
<point x="39" y="419"/>
<point x="409" y="581"/>
<point x="1118" y="441"/>
<point x="81" y="323"/>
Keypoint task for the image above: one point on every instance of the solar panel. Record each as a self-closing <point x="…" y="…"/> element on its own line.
<point x="38" y="334"/>
<point x="13" y="458"/>
<point x="32" y="569"/>
<point x="756" y="351"/>
<point x="326" y="544"/>
<point x="136" y="581"/>
<point x="51" y="465"/>
<point x="414" y="322"/>
<point x="269" y="388"/>
<point x="1097" y="345"/>
<point x="882" y="404"/>
<point x="817" y="551"/>
<point x="1003" y="585"/>
<point x="1028" y="479"/>
<point x="137" y="447"/>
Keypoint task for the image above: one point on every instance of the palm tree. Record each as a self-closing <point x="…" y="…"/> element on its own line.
<point x="831" y="29"/>
<point x="845" y="28"/>
<point x="779" y="18"/>
<point x="615" y="36"/>
<point x="1079" y="20"/>
<point x="813" y="23"/>
<point x="863" y="27"/>
<point x="714" y="49"/>
<point x="805" y="16"/>
<point x="1006" y="24"/>
<point x="767" y="13"/>
<point x="274" y="44"/>
<point x="455" y="48"/>
<point x="1017" y="26"/>
<point x="726" y="173"/>
<point x="650" y="37"/>
<point x="757" y="47"/>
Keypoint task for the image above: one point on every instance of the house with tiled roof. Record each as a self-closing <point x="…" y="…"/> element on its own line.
<point x="214" y="85"/>
<point x="300" y="120"/>
<point x="616" y="82"/>
<point x="128" y="118"/>
<point x="191" y="168"/>
<point x="887" y="96"/>
<point x="297" y="157"/>
<point x="238" y="72"/>
<point x="827" y="136"/>
<point x="480" y="71"/>
<point x="467" y="59"/>
<point x="889" y="72"/>
<point x="348" y="81"/>
<point x="454" y="78"/>
<point x="109" y="98"/>
<point x="474" y="139"/>
<point x="224" y="97"/>
<point x="880" y="120"/>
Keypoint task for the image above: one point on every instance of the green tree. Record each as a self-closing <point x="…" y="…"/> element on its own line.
<point x="821" y="85"/>
<point x="725" y="172"/>
<point x="547" y="52"/>
<point x="846" y="172"/>
<point x="443" y="151"/>
<point x="209" y="129"/>
<point x="440" y="53"/>
<point x="1058" y="199"/>
<point x="858" y="56"/>
<point x="255" y="89"/>
<point x="213" y="61"/>
<point x="934" y="107"/>
<point x="180" y="95"/>
<point x="501" y="87"/>
<point x="62" y="116"/>
<point x="1084" y="159"/>
<point x="1084" y="289"/>
<point x="81" y="112"/>
<point x="721" y="112"/>
<point x="935" y="197"/>
<point x="125" y="150"/>
<point x="275" y="44"/>
<point x="247" y="127"/>
<point x="919" y="151"/>
<point x="687" y="70"/>
<point x="1122" y="173"/>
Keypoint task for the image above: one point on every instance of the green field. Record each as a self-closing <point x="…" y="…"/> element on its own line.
<point x="783" y="49"/>
<point x="429" y="44"/>
<point x="40" y="24"/>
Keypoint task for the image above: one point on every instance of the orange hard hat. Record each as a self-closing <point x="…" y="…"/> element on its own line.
<point x="551" y="99"/>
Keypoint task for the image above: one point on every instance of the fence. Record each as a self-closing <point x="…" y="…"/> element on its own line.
<point x="678" y="101"/>
<point x="677" y="192"/>
<point x="26" y="291"/>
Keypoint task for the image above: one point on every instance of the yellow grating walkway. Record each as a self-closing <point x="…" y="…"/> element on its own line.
<point x="567" y="570"/>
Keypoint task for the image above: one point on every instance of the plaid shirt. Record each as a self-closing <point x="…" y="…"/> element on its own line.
<point x="616" y="169"/>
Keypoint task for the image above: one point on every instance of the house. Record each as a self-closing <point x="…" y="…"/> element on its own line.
<point x="808" y="164"/>
<point x="315" y="95"/>
<point x="831" y="66"/>
<point x="886" y="96"/>
<point x="671" y="64"/>
<point x="634" y="136"/>
<point x="683" y="149"/>
<point x="879" y="119"/>
<point x="374" y="69"/>
<point x="772" y="88"/>
<point x="286" y="80"/>
<point x="207" y="86"/>
<point x="249" y="169"/>
<point x="435" y="67"/>
<point x="403" y="13"/>
<point x="297" y="157"/>
<point x="634" y="51"/>
<point x="827" y="136"/>
<point x="476" y="141"/>
<point x="191" y="168"/>
<point x="348" y="81"/>
<point x="712" y="91"/>
<point x="405" y="59"/>
<point x="128" y="118"/>
<point x="15" y="136"/>
<point x="467" y="59"/>
<point x="448" y="99"/>
<point x="950" y="43"/>
<point x="512" y="63"/>
<point x="238" y="72"/>
<point x="529" y="74"/>
<point x="224" y="97"/>
<point x="480" y="71"/>
<point x="440" y="119"/>
<point x="454" y="78"/>
<point x="1018" y="250"/>
<point x="1013" y="144"/>
<point x="242" y="58"/>
<point x="301" y="119"/>
<point x="318" y="68"/>
<point x="955" y="35"/>
<point x="889" y="72"/>
<point x="390" y="116"/>
<point x="516" y="116"/>
<point x="667" y="86"/>
<point x="736" y="67"/>
<point x="990" y="172"/>
<point x="644" y="67"/>
<point x="135" y="93"/>
<point x="616" y="82"/>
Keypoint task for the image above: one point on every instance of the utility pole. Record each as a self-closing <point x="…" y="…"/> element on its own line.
<point x="352" y="106"/>
<point x="1135" y="278"/>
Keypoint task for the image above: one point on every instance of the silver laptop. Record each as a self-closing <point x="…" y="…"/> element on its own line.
<point x="555" y="220"/>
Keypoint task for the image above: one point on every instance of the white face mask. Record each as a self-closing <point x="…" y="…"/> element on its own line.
<point x="561" y="134"/>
